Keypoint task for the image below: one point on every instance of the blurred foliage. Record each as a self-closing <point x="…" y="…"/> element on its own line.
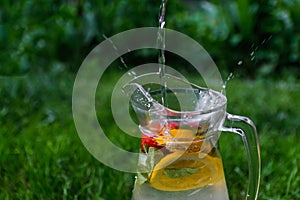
<point x="44" y="42"/>
<point x="252" y="37"/>
<point x="255" y="38"/>
<point x="43" y="158"/>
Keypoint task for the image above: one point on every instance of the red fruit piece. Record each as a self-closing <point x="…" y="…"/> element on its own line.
<point x="173" y="125"/>
<point x="147" y="142"/>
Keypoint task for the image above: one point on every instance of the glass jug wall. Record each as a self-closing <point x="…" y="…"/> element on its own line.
<point x="180" y="168"/>
<point x="180" y="157"/>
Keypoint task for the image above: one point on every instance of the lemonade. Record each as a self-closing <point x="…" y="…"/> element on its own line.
<point x="216" y="191"/>
<point x="180" y="156"/>
<point x="180" y="163"/>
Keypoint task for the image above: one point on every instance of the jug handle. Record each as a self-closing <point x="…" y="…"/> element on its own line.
<point x="251" y="143"/>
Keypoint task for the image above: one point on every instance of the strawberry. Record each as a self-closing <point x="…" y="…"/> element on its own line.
<point x="147" y="142"/>
<point x="173" y="125"/>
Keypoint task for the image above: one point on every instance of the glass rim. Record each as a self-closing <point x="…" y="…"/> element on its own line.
<point x="192" y="112"/>
<point x="200" y="138"/>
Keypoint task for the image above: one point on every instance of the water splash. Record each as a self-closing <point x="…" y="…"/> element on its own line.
<point x="266" y="40"/>
<point x="252" y="54"/>
<point x="132" y="74"/>
<point x="256" y="48"/>
<point x="162" y="45"/>
<point x="231" y="75"/>
<point x="116" y="50"/>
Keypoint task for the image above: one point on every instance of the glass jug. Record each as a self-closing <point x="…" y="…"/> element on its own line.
<point x="180" y="157"/>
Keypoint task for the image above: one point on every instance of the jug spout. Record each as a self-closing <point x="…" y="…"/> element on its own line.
<point x="149" y="112"/>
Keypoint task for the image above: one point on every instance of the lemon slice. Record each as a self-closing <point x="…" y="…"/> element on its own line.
<point x="184" y="171"/>
<point x="182" y="133"/>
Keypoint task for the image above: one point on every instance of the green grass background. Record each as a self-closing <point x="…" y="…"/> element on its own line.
<point x="42" y="156"/>
<point x="44" y="42"/>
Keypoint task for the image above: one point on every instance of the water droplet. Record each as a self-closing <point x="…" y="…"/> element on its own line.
<point x="240" y="63"/>
<point x="162" y="25"/>
<point x="133" y="73"/>
<point x="226" y="82"/>
<point x="230" y="76"/>
<point x="123" y="62"/>
<point x="116" y="50"/>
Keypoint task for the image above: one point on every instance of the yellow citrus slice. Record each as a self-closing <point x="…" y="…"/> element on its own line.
<point x="184" y="171"/>
<point x="182" y="133"/>
<point x="176" y="134"/>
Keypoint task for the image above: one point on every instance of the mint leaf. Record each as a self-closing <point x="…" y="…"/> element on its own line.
<point x="141" y="178"/>
<point x="179" y="172"/>
<point x="153" y="157"/>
